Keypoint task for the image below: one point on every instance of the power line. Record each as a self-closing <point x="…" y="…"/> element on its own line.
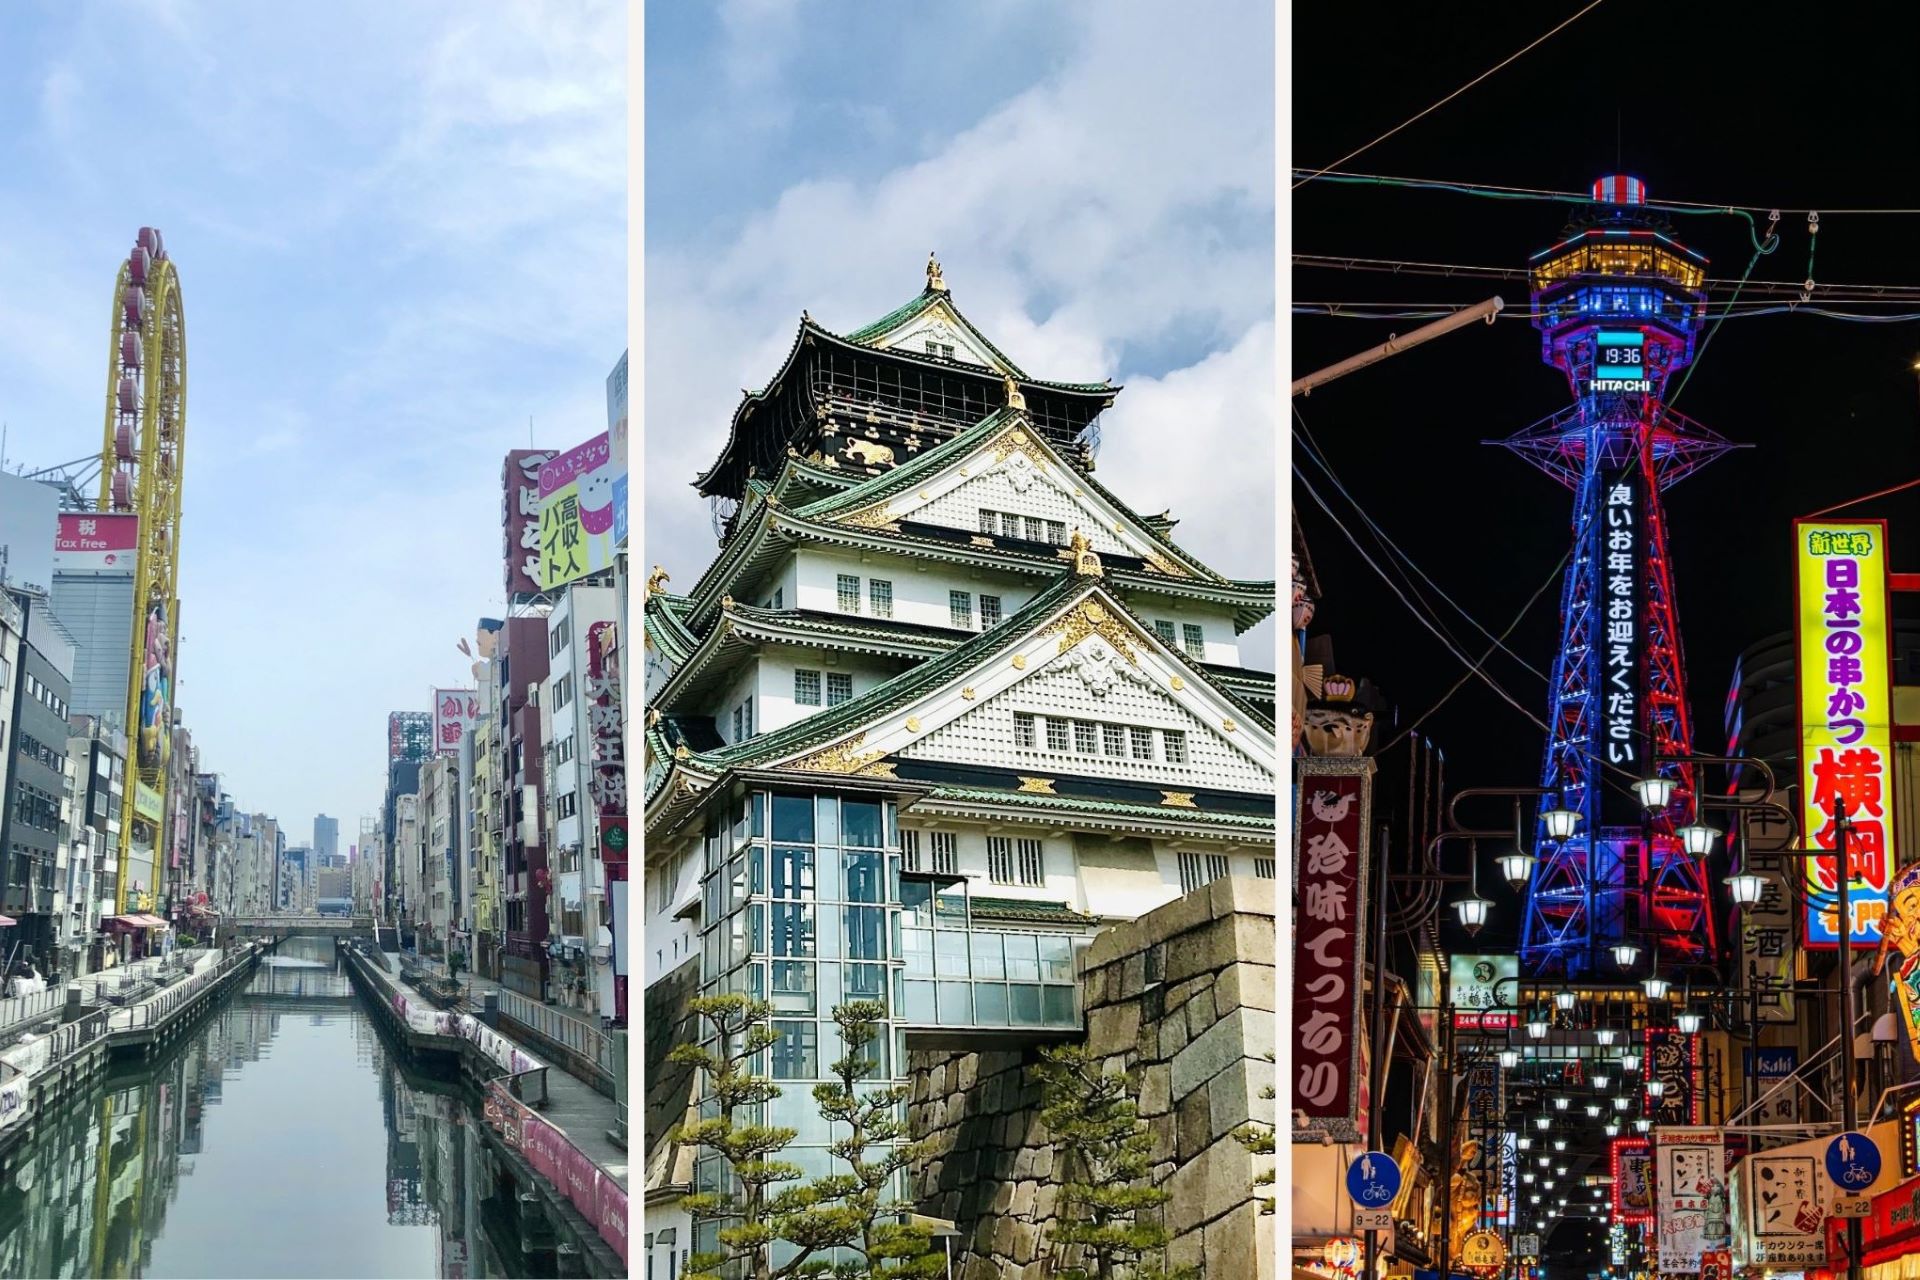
<point x="1497" y="191"/>
<point x="1450" y="97"/>
<point x="1834" y="291"/>
<point x="1357" y="311"/>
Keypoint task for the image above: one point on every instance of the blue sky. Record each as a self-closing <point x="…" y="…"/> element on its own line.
<point x="401" y="232"/>
<point x="1098" y="180"/>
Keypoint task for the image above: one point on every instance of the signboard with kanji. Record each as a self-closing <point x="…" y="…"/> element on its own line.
<point x="1332" y="812"/>
<point x="1766" y="927"/>
<point x="577" y="513"/>
<point x="409" y="735"/>
<point x="1690" y="1179"/>
<point x="1623" y="703"/>
<point x="1632" y="1179"/>
<point x="453" y="711"/>
<point x="520" y="521"/>
<point x="1784" y="1211"/>
<point x="1477" y="985"/>
<point x="1846" y="721"/>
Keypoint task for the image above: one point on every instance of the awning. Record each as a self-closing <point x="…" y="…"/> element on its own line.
<point x="7" y="920"/>
<point x="153" y="922"/>
<point x="120" y="922"/>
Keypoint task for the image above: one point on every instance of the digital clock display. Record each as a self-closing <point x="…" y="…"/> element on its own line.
<point x="1620" y="362"/>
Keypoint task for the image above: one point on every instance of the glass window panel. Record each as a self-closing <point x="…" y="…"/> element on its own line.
<point x="864" y="882"/>
<point x="990" y="1004"/>
<point x="916" y="900"/>
<point x="989" y="960"/>
<point x="758" y="812"/>
<point x="866" y="933"/>
<point x="826" y="817"/>
<point x="1056" y="1005"/>
<point x="793" y="932"/>
<point x="826" y="874"/>
<point x="792" y="872"/>
<point x="917" y="950"/>
<point x="827" y="974"/>
<point x="808" y="1124"/>
<point x="863" y="825"/>
<point x="1023" y="957"/>
<point x="737" y="884"/>
<point x="829" y="934"/>
<point x="866" y="982"/>
<point x="793" y="818"/>
<point x="1056" y="959"/>
<point x="739" y="820"/>
<point x="956" y="1002"/>
<point x="950" y="906"/>
<point x="795" y="1056"/>
<point x="950" y="954"/>
<point x="1026" y="1005"/>
<point x="919" y="1002"/>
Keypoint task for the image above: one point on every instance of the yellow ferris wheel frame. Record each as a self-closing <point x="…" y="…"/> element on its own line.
<point x="142" y="457"/>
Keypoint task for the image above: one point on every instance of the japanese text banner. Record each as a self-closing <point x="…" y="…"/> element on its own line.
<point x="1846" y="715"/>
<point x="1331" y="819"/>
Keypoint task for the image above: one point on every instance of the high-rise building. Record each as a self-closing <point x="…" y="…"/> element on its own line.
<point x="326" y="841"/>
<point x="943" y="709"/>
<point x="528" y="879"/>
<point x="98" y="752"/>
<point x="33" y="839"/>
<point x="579" y="876"/>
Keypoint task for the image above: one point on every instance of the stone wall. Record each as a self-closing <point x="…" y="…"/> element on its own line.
<point x="1185" y="995"/>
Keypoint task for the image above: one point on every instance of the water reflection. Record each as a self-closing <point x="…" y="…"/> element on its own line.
<point x="280" y="1139"/>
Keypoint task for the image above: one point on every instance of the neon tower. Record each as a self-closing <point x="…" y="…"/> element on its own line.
<point x="1618" y="304"/>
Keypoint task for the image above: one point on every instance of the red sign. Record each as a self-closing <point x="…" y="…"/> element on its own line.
<point x="1485" y="1021"/>
<point x="1633" y="1179"/>
<point x="1332" y="811"/>
<point x="91" y="541"/>
<point x="454" y="710"/>
<point x="520" y="520"/>
<point x="1672" y="1058"/>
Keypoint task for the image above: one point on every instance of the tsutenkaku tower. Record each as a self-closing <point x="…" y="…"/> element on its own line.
<point x="1618" y="304"/>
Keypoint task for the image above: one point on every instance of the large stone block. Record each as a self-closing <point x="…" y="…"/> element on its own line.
<point x="1132" y="976"/>
<point x="1182" y="915"/>
<point x="1220" y="1046"/>
<point x="1156" y="1089"/>
<point x="1003" y="1236"/>
<point x="1233" y="1235"/>
<point x="1115" y="941"/>
<point x="1208" y="1185"/>
<point x="969" y="1073"/>
<point x="1165" y="1131"/>
<point x="1189" y="1250"/>
<point x="1250" y="895"/>
<point x="979" y="1268"/>
<point x="1199" y="1012"/>
<point x="1046" y="1201"/>
<point x="1113" y="1029"/>
<point x="1245" y="984"/>
<point x="1043" y="1162"/>
<point x="1173" y="1038"/>
<point x="1026" y="1242"/>
<point x="1234" y="1096"/>
<point x="1197" y="952"/>
<point x="1003" y="1198"/>
<point x="1023" y="1197"/>
<point x="1255" y="938"/>
<point x="1193" y="1116"/>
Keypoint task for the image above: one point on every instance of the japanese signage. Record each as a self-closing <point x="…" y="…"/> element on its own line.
<point x="92" y="542"/>
<point x="1770" y="1066"/>
<point x="1484" y="1251"/>
<point x="617" y="433"/>
<point x="454" y="710"/>
<point x="520" y="520"/>
<point x="1632" y="1180"/>
<point x="609" y="782"/>
<point x="1332" y="799"/>
<point x="1766" y="927"/>
<point x="1901" y="946"/>
<point x="1783" y="1199"/>
<point x="1671" y="1059"/>
<point x="409" y="735"/>
<point x="1691" y="1216"/>
<point x="576" y="534"/>
<point x="1621" y="743"/>
<point x="147" y="802"/>
<point x="1846" y="714"/>
<point x="1477" y="985"/>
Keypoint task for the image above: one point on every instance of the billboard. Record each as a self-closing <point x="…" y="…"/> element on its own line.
<point x="409" y="735"/>
<point x="96" y="543"/>
<point x="1624" y="655"/>
<point x="28" y="532"/>
<point x="520" y="520"/>
<point x="1690" y="1182"/>
<point x="156" y="689"/>
<point x="576" y="535"/>
<point x="1476" y="988"/>
<point x="454" y="710"/>
<point x="1846" y="714"/>
<point x="1331" y="824"/>
<point x="617" y="429"/>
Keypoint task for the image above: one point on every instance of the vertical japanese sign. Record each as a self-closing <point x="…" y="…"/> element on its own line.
<point x="1621" y="739"/>
<point x="1632" y="1180"/>
<point x="606" y="724"/>
<point x="1671" y="1059"/>
<point x="1770" y="1067"/>
<point x="1846" y="715"/>
<point x="1691" y="1204"/>
<point x="1766" y="927"/>
<point x="576" y="493"/>
<point x="454" y="710"/>
<point x="520" y="520"/>
<point x="1332" y="813"/>
<point x="1784" y="1213"/>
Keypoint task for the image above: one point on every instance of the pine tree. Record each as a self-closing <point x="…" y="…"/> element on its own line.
<point x="1096" y="1127"/>
<point x="1257" y="1137"/>
<point x="893" y="1250"/>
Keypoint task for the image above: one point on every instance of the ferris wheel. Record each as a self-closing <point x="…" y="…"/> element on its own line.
<point x="141" y="461"/>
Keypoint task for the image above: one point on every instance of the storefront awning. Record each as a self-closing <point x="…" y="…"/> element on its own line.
<point x="7" y="920"/>
<point x="133" y="921"/>
<point x="153" y="922"/>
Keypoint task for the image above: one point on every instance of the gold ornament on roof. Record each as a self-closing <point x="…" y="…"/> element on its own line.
<point x="879" y="517"/>
<point x="656" y="579"/>
<point x="1091" y="618"/>
<point x="1160" y="564"/>
<point x="845" y="757"/>
<point x="1015" y="400"/>
<point x="1178" y="799"/>
<point x="1085" y="562"/>
<point x="936" y="283"/>
<point x="726" y="604"/>
<point x="1037" y="786"/>
<point x="913" y="724"/>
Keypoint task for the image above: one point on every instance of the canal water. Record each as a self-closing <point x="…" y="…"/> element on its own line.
<point x="280" y="1138"/>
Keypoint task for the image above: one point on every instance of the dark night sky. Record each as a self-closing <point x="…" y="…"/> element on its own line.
<point x="1713" y="103"/>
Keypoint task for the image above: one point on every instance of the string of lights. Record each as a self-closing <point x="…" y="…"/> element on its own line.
<point x="1433" y="311"/>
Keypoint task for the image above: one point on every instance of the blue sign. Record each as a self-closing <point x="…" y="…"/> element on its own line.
<point x="1772" y="1063"/>
<point x="1373" y="1180"/>
<point x="620" y="510"/>
<point x="1853" y="1162"/>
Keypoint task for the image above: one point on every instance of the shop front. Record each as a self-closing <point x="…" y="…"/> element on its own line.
<point x="1889" y="1238"/>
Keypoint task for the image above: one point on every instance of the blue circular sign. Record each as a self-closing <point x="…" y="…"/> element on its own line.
<point x="1853" y="1162"/>
<point x="1373" y="1180"/>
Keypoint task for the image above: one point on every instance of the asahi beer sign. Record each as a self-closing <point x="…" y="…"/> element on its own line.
<point x="1331" y="817"/>
<point x="1691" y="1186"/>
<point x="1477" y="986"/>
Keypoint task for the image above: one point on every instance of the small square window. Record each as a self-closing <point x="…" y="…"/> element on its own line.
<point x="880" y="597"/>
<point x="849" y="590"/>
<point x="806" y="688"/>
<point x="1175" y="741"/>
<point x="1086" y="738"/>
<point x="960" y="606"/>
<point x="1023" y="729"/>
<point x="989" y="521"/>
<point x="1056" y="734"/>
<point x="989" y="612"/>
<point x="1114" y="738"/>
<point x="1142" y="743"/>
<point x="1056" y="533"/>
<point x="839" y="688"/>
<point x="1164" y="629"/>
<point x="1195" y="640"/>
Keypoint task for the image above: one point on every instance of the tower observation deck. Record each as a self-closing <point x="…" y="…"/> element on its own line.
<point x="1618" y="303"/>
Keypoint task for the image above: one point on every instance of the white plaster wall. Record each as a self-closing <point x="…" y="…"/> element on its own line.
<point x="920" y="588"/>
<point x="777" y="664"/>
<point x="665" y="943"/>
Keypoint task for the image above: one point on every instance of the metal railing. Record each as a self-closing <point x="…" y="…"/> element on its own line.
<point x="158" y="1008"/>
<point x="565" y="1030"/>
<point x="31" y="1008"/>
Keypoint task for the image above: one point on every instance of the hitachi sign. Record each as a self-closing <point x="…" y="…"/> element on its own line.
<point x="1643" y="386"/>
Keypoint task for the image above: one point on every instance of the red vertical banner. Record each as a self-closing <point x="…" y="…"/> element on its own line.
<point x="606" y="724"/>
<point x="1672" y="1058"/>
<point x="1332" y="817"/>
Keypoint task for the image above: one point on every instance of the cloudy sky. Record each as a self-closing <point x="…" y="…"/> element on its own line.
<point x="401" y="232"/>
<point x="1098" y="181"/>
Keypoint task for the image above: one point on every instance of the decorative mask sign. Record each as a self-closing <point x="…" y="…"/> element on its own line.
<point x="1691" y="1215"/>
<point x="1671" y="1059"/>
<point x="1900" y="948"/>
<point x="1332" y="814"/>
<point x="1846" y="720"/>
<point x="1784" y="1212"/>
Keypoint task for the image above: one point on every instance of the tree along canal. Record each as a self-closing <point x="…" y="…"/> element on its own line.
<point x="281" y="1137"/>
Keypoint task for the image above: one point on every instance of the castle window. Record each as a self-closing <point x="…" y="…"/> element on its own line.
<point x="960" y="608"/>
<point x="806" y="688"/>
<point x="880" y="597"/>
<point x="1195" y="640"/>
<point x="839" y="688"/>
<point x="1023" y="730"/>
<point x="1056" y="734"/>
<point x="1175" y="743"/>
<point x="849" y="586"/>
<point x="989" y="612"/>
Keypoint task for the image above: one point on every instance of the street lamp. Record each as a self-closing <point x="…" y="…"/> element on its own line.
<point x="1541" y="1122"/>
<point x="1473" y="912"/>
<point x="1560" y="1144"/>
<point x="1613" y="1130"/>
<point x="1517" y="867"/>
<point x="1630" y="1061"/>
<point x="1688" y="1022"/>
<point x="1603" y="1036"/>
<point x="1601" y="1082"/>
<point x="1655" y="1087"/>
<point x="1622" y="1102"/>
<point x="1697" y="838"/>
<point x="1560" y="1102"/>
<point x="1642" y="1125"/>
<point x="1625" y="953"/>
<point x="1564" y="999"/>
<point x="1537" y="1024"/>
<point x="1509" y="1058"/>
<point x="1656" y="987"/>
<point x="1745" y="888"/>
<point x="1559" y="822"/>
<point x="1655" y="793"/>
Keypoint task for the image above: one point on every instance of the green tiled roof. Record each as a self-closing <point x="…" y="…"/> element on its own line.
<point x="1023" y="909"/>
